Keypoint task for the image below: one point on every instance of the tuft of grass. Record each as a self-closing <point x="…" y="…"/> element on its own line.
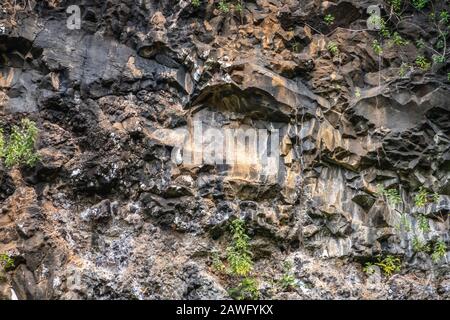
<point x="195" y="3"/>
<point x="20" y="148"/>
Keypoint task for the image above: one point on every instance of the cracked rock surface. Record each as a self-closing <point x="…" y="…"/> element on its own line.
<point x="107" y="214"/>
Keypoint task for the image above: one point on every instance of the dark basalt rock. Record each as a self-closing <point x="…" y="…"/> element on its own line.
<point x="107" y="214"/>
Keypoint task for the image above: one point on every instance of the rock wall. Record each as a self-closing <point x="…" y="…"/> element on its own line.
<point x="108" y="214"/>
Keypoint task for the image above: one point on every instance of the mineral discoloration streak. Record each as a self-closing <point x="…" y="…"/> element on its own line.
<point x="112" y="210"/>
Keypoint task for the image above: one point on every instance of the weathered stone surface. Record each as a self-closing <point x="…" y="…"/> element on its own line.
<point x="107" y="214"/>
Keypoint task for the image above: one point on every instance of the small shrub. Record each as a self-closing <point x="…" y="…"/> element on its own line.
<point x="287" y="280"/>
<point x="195" y="3"/>
<point x="238" y="254"/>
<point x="217" y="263"/>
<point x="396" y="5"/>
<point x="398" y="40"/>
<point x="392" y="195"/>
<point x="377" y="47"/>
<point x="421" y="198"/>
<point x="444" y="16"/>
<point x="389" y="265"/>
<point x="6" y="262"/>
<point x="423" y="63"/>
<point x="369" y="268"/>
<point x="438" y="58"/>
<point x="329" y="19"/>
<point x="20" y="147"/>
<point x="424" y="225"/>
<point x="439" y="251"/>
<point x="223" y="6"/>
<point x="246" y="290"/>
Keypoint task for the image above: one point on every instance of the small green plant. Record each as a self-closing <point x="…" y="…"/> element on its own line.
<point x="448" y="76"/>
<point x="287" y="280"/>
<point x="377" y="47"/>
<point x="419" y="4"/>
<point x="420" y="246"/>
<point x="396" y="5"/>
<point x="358" y="93"/>
<point x="195" y="3"/>
<point x="246" y="290"/>
<point x="333" y="48"/>
<point x="421" y="198"/>
<point x="398" y="40"/>
<point x="420" y="44"/>
<point x="423" y="63"/>
<point x="389" y="265"/>
<point x="444" y="16"/>
<point x="437" y="58"/>
<point x="223" y="6"/>
<point x="238" y="254"/>
<point x="20" y="147"/>
<point x="439" y="251"/>
<point x="217" y="263"/>
<point x="6" y="262"/>
<point x="392" y="195"/>
<point x="239" y="8"/>
<point x="423" y="223"/>
<point x="329" y="19"/>
<point x="369" y="268"/>
<point x="2" y="144"/>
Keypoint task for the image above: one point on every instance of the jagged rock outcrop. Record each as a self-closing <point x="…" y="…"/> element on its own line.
<point x="115" y="208"/>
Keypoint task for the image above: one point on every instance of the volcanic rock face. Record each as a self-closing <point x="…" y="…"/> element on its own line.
<point x="115" y="209"/>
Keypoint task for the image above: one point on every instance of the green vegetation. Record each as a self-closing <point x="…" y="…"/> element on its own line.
<point x="333" y="48"/>
<point x="423" y="223"/>
<point x="389" y="265"/>
<point x="223" y="6"/>
<point x="217" y="263"/>
<point x="396" y="5"/>
<point x="6" y="262"/>
<point x="377" y="47"/>
<point x="398" y="40"/>
<point x="287" y="281"/>
<point x="422" y="63"/>
<point x="246" y="290"/>
<point x="238" y="254"/>
<point x="20" y="148"/>
<point x="369" y="268"/>
<point x="419" y="4"/>
<point x="421" y="198"/>
<point x="329" y="19"/>
<point x="392" y="195"/>
<point x="195" y="3"/>
<point x="440" y="250"/>
<point x="420" y="246"/>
